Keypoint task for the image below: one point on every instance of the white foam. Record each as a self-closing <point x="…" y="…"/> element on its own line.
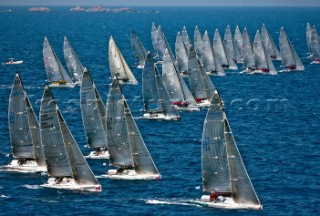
<point x="34" y="187"/>
<point x="4" y="196"/>
<point x="170" y="202"/>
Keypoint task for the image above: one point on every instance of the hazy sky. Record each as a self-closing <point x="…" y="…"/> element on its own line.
<point x="165" y="2"/>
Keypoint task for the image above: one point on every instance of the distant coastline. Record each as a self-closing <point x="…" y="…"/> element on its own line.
<point x="100" y="8"/>
<point x="39" y="9"/>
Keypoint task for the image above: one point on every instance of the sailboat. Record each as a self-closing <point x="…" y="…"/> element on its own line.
<point x="67" y="168"/>
<point x="178" y="91"/>
<point x="127" y="149"/>
<point x="226" y="182"/>
<point x="156" y="100"/>
<point x="24" y="133"/>
<point x="73" y="63"/>
<point x="263" y="62"/>
<point x="248" y="55"/>
<point x="118" y="65"/>
<point x="308" y="37"/>
<point x="197" y="42"/>
<point x="268" y="43"/>
<point x="210" y="61"/>
<point x="290" y="59"/>
<point x="139" y="51"/>
<point x="223" y="55"/>
<point x="56" y="73"/>
<point x="93" y="116"/>
<point x="238" y="42"/>
<point x="201" y="86"/>
<point x="181" y="55"/>
<point x="315" y="46"/>
<point x="229" y="45"/>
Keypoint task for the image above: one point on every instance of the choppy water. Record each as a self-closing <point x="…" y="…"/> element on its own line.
<point x="275" y="119"/>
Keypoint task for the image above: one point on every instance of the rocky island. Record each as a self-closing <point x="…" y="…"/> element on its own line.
<point x="39" y="9"/>
<point x="100" y="8"/>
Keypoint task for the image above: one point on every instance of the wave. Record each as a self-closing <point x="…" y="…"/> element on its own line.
<point x="4" y="196"/>
<point x="170" y="202"/>
<point x="34" y="187"/>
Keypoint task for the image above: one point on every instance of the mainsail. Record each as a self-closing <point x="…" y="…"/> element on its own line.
<point x="238" y="41"/>
<point x="268" y="43"/>
<point x="248" y="55"/>
<point x="118" y="65"/>
<point x="210" y="60"/>
<point x="139" y="51"/>
<point x="308" y="36"/>
<point x="290" y="59"/>
<point x="116" y="129"/>
<point x="229" y="45"/>
<point x="315" y="44"/>
<point x="154" y="34"/>
<point x="74" y="65"/>
<point x="181" y="54"/>
<point x="197" y="40"/>
<point x="222" y="167"/>
<point x="173" y="82"/>
<point x="155" y="95"/>
<point x="23" y="125"/>
<point x="63" y="156"/>
<point x="93" y="113"/>
<point x="162" y="44"/>
<point x="185" y="38"/>
<point x="54" y="69"/>
<point x="201" y="86"/>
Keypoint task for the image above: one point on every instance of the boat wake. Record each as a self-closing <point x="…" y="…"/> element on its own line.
<point x="34" y="187"/>
<point x="170" y="202"/>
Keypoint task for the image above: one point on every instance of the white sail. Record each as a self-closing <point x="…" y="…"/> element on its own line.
<point x="223" y="54"/>
<point x="315" y="46"/>
<point x="197" y="42"/>
<point x="155" y="97"/>
<point x="128" y="151"/>
<point x="290" y="59"/>
<point x="118" y="65"/>
<point x="210" y="61"/>
<point x="238" y="42"/>
<point x="139" y="51"/>
<point x="56" y="73"/>
<point x="67" y="168"/>
<point x="73" y="63"/>
<point x="185" y="38"/>
<point x="162" y="44"/>
<point x="269" y="45"/>
<point x="248" y="55"/>
<point x="175" y="85"/>
<point x="93" y="113"/>
<point x="154" y="34"/>
<point x="262" y="59"/>
<point x="181" y="54"/>
<point x="229" y="45"/>
<point x="27" y="151"/>
<point x="308" y="36"/>
<point x="223" y="171"/>
<point x="201" y="86"/>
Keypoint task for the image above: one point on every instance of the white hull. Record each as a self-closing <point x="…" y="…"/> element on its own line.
<point x="204" y="103"/>
<point x="78" y="83"/>
<point x="210" y="73"/>
<point x="70" y="184"/>
<point x="160" y="116"/>
<point x="191" y="109"/>
<point x="30" y="166"/>
<point x="128" y="82"/>
<point x="12" y="62"/>
<point x="103" y="155"/>
<point x="57" y="85"/>
<point x="140" y="66"/>
<point x="130" y="175"/>
<point x="225" y="203"/>
<point x="259" y="72"/>
<point x="315" y="62"/>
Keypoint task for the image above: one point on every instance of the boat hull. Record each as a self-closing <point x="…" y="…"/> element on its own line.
<point x="191" y="109"/>
<point x="160" y="116"/>
<point x="30" y="166"/>
<point x="204" y="103"/>
<point x="57" y="85"/>
<point x="130" y="175"/>
<point x="257" y="72"/>
<point x="225" y="203"/>
<point x="94" y="155"/>
<point x="71" y="184"/>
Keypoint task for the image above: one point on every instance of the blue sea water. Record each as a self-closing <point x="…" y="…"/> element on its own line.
<point x="275" y="119"/>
